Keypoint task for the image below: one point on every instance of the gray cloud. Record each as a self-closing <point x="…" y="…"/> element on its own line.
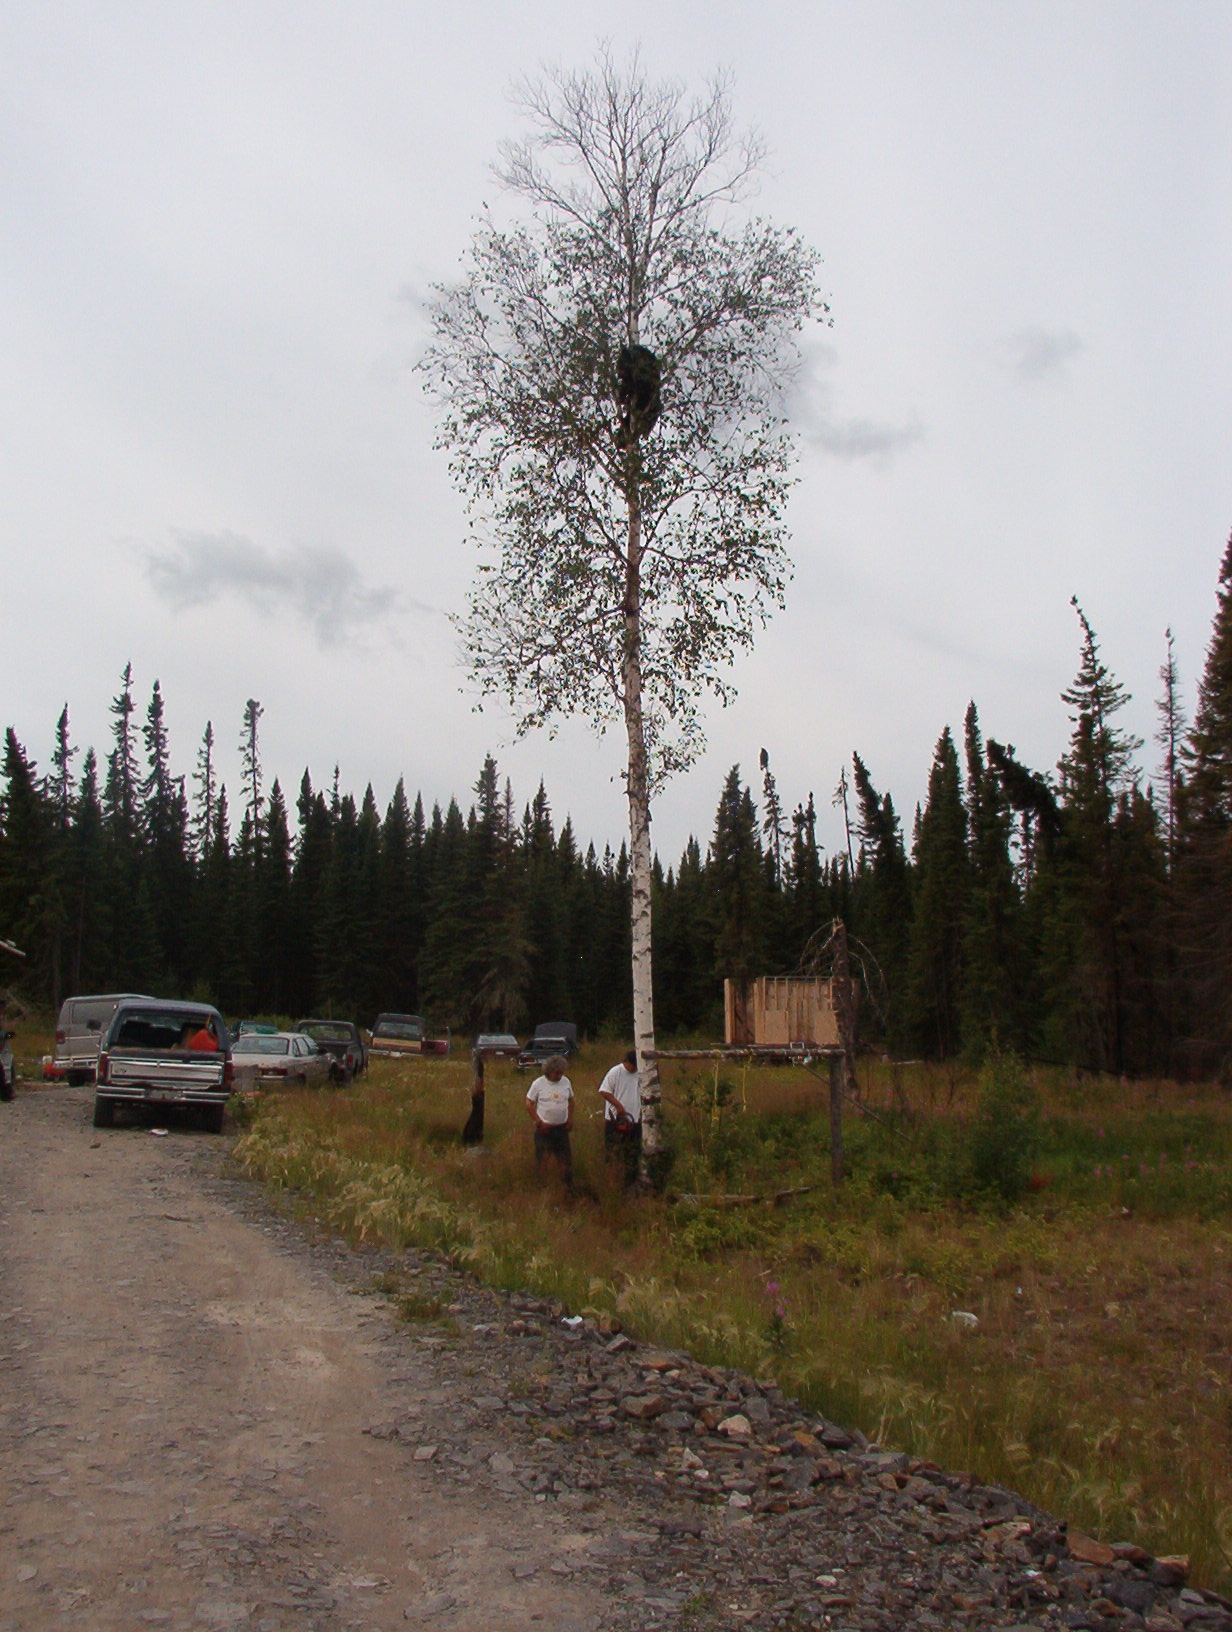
<point x="810" y="407"/>
<point x="318" y="585"/>
<point x="863" y="438"/>
<point x="1043" y="354"/>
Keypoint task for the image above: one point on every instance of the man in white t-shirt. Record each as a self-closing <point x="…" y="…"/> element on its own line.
<point x="621" y="1093"/>
<point x="549" y="1104"/>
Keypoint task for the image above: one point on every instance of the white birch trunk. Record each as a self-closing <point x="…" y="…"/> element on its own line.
<point x="638" y="789"/>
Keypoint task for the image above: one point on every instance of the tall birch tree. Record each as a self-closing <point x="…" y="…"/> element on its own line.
<point x="626" y="555"/>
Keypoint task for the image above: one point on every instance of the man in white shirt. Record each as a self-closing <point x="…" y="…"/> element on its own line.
<point x="621" y="1093"/>
<point x="549" y="1104"/>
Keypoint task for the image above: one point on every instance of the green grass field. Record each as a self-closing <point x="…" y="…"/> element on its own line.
<point x="1085" y="1225"/>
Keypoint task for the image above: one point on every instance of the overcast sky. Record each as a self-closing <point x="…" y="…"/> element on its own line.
<point x="217" y="226"/>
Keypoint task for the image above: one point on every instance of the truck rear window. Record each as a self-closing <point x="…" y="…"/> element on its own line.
<point x="159" y="1031"/>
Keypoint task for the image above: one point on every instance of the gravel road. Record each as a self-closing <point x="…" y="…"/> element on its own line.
<point x="214" y="1416"/>
<point x="184" y="1394"/>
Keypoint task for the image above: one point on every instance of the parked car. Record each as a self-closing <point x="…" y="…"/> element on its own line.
<point x="552" y="1037"/>
<point x="165" y="1054"/>
<point x="79" y="1031"/>
<point x="397" y="1034"/>
<point x="342" y="1041"/>
<point x="497" y="1045"/>
<point x="278" y="1059"/>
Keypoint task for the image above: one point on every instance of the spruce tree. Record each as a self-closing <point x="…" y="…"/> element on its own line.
<point x="215" y="911"/>
<point x="501" y="995"/>
<point x="134" y="956"/>
<point x="88" y="899"/>
<point x="25" y="837"/>
<point x="808" y="900"/>
<point x="240" y="983"/>
<point x="687" y="993"/>
<point x="164" y="862"/>
<point x="1084" y="951"/>
<point x="1204" y="859"/>
<point x="274" y="964"/>
<point x="1207" y="754"/>
<point x="545" y="914"/>
<point x="335" y="925"/>
<point x="313" y="846"/>
<point x="122" y="781"/>
<point x="365" y="910"/>
<point x="443" y="975"/>
<point x="58" y="795"/>
<point x="994" y="962"/>
<point x="942" y="904"/>
<point x="1170" y="736"/>
<point x="400" y="913"/>
<point x="250" y="765"/>
<point x="737" y="886"/>
<point x="61" y="788"/>
<point x="881" y="895"/>
<point x="206" y="781"/>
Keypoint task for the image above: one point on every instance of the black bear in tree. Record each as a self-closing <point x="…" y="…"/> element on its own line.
<point x="637" y="391"/>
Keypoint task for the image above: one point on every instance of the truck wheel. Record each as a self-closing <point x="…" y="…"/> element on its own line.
<point x="76" y="1079"/>
<point x="212" y="1117"/>
<point x="104" y="1112"/>
<point x="6" y="1085"/>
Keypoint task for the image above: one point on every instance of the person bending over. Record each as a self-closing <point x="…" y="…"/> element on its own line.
<point x="549" y="1104"/>
<point x="621" y="1093"/>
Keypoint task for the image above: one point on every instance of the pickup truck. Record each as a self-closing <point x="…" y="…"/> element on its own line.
<point x="551" y="1038"/>
<point x="164" y="1053"/>
<point x="393" y="1035"/>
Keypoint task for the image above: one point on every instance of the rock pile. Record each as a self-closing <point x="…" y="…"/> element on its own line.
<point x="747" y="1511"/>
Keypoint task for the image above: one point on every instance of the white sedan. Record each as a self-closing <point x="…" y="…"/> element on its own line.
<point x="278" y="1059"/>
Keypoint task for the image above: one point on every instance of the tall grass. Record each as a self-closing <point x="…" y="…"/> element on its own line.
<point x="1096" y="1377"/>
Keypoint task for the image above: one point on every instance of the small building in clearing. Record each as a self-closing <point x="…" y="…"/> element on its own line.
<point x="781" y="1011"/>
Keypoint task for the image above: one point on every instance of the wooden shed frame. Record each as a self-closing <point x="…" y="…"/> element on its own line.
<point x="781" y="1011"/>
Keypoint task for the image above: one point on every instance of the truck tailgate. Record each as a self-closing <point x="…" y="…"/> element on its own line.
<point x="186" y="1077"/>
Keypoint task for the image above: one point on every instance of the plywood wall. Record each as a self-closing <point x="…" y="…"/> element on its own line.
<point x="776" y="1011"/>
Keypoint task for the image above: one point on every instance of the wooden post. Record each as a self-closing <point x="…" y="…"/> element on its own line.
<point x="844" y="1002"/>
<point x="472" y="1133"/>
<point x="838" y="1071"/>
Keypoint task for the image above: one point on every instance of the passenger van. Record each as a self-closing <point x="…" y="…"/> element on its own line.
<point x="82" y="1022"/>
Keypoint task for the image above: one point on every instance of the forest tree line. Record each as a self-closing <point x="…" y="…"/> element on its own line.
<point x="1081" y="915"/>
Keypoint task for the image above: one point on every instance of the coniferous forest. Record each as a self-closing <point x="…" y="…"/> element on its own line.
<point x="1079" y="914"/>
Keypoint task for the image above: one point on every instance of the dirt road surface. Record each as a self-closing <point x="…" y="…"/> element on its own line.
<point x="186" y="1401"/>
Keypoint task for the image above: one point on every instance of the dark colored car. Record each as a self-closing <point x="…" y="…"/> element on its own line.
<point x="552" y="1037"/>
<point x="342" y="1041"/>
<point x="498" y="1045"/>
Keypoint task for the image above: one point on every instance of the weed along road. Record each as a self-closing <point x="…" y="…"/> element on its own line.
<point x="185" y="1394"/>
<point x="212" y="1416"/>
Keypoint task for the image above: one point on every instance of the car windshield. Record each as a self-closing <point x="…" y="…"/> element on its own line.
<point x="257" y="1042"/>
<point x="329" y="1034"/>
<point x="405" y="1029"/>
